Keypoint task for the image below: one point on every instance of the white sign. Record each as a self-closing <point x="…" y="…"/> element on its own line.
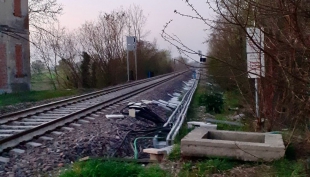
<point x="131" y="43"/>
<point x="255" y="56"/>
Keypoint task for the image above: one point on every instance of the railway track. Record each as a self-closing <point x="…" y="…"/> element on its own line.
<point x="24" y="125"/>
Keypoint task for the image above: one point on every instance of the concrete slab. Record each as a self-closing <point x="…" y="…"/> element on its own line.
<point x="194" y="124"/>
<point x="67" y="128"/>
<point x="16" y="127"/>
<point x="46" y="138"/>
<point x="154" y="151"/>
<point x="176" y="94"/>
<point x="90" y="118"/>
<point x="246" y="146"/>
<point x="18" y="151"/>
<point x="83" y="121"/>
<point x="34" y="144"/>
<point x="4" y="160"/>
<point x="5" y="135"/>
<point x="38" y="120"/>
<point x="11" y="131"/>
<point x="27" y="123"/>
<point x="224" y="122"/>
<point x="75" y="125"/>
<point x="146" y="101"/>
<point x="56" y="133"/>
<point x="46" y="117"/>
<point x="95" y="115"/>
<point x="115" y="116"/>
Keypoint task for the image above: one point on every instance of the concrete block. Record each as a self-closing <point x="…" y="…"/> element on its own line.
<point x="115" y="116"/>
<point x="45" y="138"/>
<point x="83" y="121"/>
<point x="154" y="151"/>
<point x="246" y="146"/>
<point x="67" y="128"/>
<point x="4" y="159"/>
<point x="165" y="150"/>
<point x="90" y="118"/>
<point x="209" y="126"/>
<point x="75" y="125"/>
<point x="17" y="151"/>
<point x="56" y="133"/>
<point x="158" y="154"/>
<point x="96" y="115"/>
<point x="146" y="101"/>
<point x="34" y="144"/>
<point x="224" y="122"/>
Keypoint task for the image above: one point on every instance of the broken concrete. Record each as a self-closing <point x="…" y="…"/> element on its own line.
<point x="194" y="124"/>
<point x="246" y="146"/>
<point x="224" y="122"/>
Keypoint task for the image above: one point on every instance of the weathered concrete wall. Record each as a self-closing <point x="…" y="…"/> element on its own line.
<point x="14" y="46"/>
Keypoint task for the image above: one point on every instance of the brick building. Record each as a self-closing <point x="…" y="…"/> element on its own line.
<point x="14" y="46"/>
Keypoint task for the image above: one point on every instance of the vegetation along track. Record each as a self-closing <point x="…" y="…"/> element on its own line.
<point x="27" y="124"/>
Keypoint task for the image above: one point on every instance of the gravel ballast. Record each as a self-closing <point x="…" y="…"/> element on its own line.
<point x="100" y="137"/>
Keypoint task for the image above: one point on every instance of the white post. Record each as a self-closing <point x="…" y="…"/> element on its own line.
<point x="136" y="63"/>
<point x="128" y="65"/>
<point x="256" y="98"/>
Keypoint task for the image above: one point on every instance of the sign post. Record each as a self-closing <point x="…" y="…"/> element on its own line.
<point x="131" y="46"/>
<point x="255" y="59"/>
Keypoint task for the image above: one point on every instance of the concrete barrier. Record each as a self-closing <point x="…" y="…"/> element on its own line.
<point x="246" y="146"/>
<point x="194" y="124"/>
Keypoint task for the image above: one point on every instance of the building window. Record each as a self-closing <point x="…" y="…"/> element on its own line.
<point x="19" y="60"/>
<point x="3" y="64"/>
<point x="17" y="8"/>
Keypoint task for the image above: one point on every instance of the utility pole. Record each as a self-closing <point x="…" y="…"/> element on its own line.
<point x="127" y="65"/>
<point x="131" y="46"/>
<point x="136" y="63"/>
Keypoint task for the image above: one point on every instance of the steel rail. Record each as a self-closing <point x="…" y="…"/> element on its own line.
<point x="29" y="134"/>
<point x="46" y="107"/>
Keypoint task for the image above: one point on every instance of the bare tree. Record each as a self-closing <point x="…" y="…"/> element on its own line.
<point x="48" y="50"/>
<point x="43" y="12"/>
<point x="136" y="22"/>
<point x="285" y="24"/>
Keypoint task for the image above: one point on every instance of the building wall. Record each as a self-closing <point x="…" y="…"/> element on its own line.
<point x="14" y="48"/>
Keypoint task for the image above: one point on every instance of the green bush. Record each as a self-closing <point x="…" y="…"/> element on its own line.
<point x="213" y="101"/>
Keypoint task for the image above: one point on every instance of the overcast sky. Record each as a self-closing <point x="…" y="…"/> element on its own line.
<point x="159" y="12"/>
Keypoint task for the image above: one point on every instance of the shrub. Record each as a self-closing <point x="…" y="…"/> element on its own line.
<point x="213" y="101"/>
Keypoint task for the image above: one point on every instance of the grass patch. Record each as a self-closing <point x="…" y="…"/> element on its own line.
<point x="42" y="81"/>
<point x="99" y="168"/>
<point x="32" y="96"/>
<point x="206" y="167"/>
<point x="175" y="154"/>
<point x="287" y="168"/>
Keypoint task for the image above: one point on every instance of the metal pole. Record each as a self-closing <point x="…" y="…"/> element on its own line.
<point x="256" y="98"/>
<point x="127" y="65"/>
<point x="136" y="64"/>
